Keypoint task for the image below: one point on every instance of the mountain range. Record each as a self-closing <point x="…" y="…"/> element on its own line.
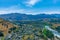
<point x="19" y="16"/>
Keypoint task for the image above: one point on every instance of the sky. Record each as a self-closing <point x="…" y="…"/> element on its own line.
<point x="30" y="6"/>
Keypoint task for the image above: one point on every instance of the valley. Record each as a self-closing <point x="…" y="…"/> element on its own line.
<point x="27" y="29"/>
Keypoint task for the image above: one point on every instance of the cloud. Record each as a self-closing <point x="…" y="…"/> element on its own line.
<point x="12" y="9"/>
<point x="17" y="9"/>
<point x="32" y="2"/>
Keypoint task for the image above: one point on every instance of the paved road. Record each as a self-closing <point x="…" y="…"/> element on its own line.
<point x="53" y="31"/>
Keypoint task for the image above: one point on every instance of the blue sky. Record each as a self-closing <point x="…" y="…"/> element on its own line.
<point x="30" y="6"/>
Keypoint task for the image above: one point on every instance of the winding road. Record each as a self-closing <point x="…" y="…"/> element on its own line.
<point x="56" y="33"/>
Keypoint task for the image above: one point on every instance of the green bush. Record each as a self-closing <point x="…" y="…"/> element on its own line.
<point x="48" y="33"/>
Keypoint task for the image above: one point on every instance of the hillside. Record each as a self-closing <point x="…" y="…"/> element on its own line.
<point x="5" y="26"/>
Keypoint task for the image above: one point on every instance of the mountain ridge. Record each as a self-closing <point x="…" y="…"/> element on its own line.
<point x="20" y="16"/>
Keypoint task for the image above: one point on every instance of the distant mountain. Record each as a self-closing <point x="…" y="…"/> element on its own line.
<point x="19" y="16"/>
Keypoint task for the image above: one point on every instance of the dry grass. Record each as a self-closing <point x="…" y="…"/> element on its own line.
<point x="5" y="26"/>
<point x="55" y="25"/>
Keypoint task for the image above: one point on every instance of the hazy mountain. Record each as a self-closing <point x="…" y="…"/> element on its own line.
<point x="18" y="16"/>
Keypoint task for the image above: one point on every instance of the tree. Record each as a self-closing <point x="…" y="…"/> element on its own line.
<point x="12" y="29"/>
<point x="47" y="33"/>
<point x="1" y="34"/>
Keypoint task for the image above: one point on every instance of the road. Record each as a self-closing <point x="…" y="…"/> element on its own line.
<point x="56" y="33"/>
